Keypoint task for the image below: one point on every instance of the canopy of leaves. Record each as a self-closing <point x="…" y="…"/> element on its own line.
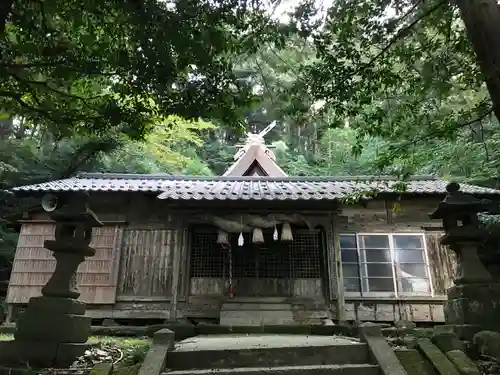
<point x="86" y="67"/>
<point x="400" y="70"/>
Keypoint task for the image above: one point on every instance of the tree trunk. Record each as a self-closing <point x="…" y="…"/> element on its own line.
<point x="482" y="21"/>
<point x="5" y="9"/>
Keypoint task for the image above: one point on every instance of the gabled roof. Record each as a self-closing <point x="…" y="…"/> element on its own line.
<point x="255" y="159"/>
<point x="246" y="187"/>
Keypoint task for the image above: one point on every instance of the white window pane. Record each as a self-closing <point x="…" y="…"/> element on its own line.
<point x="374" y="241"/>
<point x="352" y="285"/>
<point x="415" y="285"/>
<point x="349" y="256"/>
<point x="412" y="270"/>
<point x="377" y="255"/>
<point x="408" y="242"/>
<point x="350" y="270"/>
<point x="377" y="270"/>
<point x="378" y="285"/>
<point x="410" y="256"/>
<point x="348" y="241"/>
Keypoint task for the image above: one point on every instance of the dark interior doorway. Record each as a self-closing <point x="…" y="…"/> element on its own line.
<point x="266" y="270"/>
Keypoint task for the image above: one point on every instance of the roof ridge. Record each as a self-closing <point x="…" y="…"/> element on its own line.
<point x="165" y="176"/>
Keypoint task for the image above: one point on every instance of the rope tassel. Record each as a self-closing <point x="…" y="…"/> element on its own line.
<point x="257" y="236"/>
<point x="286" y="232"/>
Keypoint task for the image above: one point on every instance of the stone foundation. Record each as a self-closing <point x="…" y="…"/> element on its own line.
<point x="52" y="332"/>
<point x="472" y="308"/>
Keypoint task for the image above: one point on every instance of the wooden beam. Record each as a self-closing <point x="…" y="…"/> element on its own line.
<point x="177" y="255"/>
<point x="338" y="269"/>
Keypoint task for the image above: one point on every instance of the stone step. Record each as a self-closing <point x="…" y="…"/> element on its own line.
<point x="239" y="299"/>
<point x="224" y="358"/>
<point x="238" y="306"/>
<point x="256" y="317"/>
<point x="255" y="314"/>
<point x="349" y="369"/>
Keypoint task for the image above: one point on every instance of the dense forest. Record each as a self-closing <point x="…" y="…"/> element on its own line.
<point x="357" y="88"/>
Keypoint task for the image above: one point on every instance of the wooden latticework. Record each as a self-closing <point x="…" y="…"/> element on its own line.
<point x="33" y="265"/>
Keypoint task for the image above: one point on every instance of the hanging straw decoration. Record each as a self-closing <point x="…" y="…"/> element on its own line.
<point x="230" y="284"/>
<point x="275" y="233"/>
<point x="257" y="236"/>
<point x="286" y="232"/>
<point x="241" y="240"/>
<point x="222" y="237"/>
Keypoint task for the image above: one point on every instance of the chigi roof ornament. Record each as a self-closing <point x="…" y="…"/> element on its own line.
<point x="254" y="158"/>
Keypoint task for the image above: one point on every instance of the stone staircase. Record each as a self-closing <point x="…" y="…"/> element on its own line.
<point x="270" y="354"/>
<point x="247" y="313"/>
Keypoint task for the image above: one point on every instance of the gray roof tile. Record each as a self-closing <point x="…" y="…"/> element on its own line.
<point x="245" y="188"/>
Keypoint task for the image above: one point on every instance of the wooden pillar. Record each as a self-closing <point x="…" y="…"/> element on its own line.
<point x="177" y="255"/>
<point x="338" y="268"/>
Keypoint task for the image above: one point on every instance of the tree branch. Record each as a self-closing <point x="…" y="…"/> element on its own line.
<point x="399" y="35"/>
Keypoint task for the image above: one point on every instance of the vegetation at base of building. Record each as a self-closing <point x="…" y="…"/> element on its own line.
<point x="126" y="354"/>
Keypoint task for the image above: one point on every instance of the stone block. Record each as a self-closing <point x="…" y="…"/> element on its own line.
<point x="164" y="337"/>
<point x="256" y="317"/>
<point x="67" y="353"/>
<point x="474" y="304"/>
<point x="463" y="331"/>
<point x="380" y="351"/>
<point x="57" y="328"/>
<point x="447" y="341"/>
<point x="438" y="359"/>
<point x="154" y="363"/>
<point x="463" y="363"/>
<point x="413" y="362"/>
<point x="487" y="343"/>
<point x="56" y="305"/>
<point x="369" y="329"/>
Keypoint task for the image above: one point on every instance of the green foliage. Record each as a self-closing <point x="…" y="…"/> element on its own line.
<point x="8" y="243"/>
<point x="405" y="72"/>
<point x="86" y="67"/>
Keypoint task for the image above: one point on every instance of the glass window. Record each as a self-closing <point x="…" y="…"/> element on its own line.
<point x="350" y="263"/>
<point x="384" y="263"/>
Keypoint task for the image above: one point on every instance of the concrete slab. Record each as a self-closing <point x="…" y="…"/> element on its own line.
<point x="258" y="341"/>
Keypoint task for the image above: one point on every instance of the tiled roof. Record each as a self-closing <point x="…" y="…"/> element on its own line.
<point x="245" y="188"/>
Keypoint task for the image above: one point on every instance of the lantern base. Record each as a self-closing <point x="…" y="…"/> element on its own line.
<point x="51" y="332"/>
<point x="473" y="307"/>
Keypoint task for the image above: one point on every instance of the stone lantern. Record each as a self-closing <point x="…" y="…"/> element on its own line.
<point x="54" y="330"/>
<point x="472" y="302"/>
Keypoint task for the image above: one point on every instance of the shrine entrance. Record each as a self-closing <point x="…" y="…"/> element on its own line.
<point x="271" y="269"/>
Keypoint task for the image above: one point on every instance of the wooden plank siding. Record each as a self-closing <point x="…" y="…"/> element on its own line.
<point x="442" y="264"/>
<point x="147" y="262"/>
<point x="33" y="265"/>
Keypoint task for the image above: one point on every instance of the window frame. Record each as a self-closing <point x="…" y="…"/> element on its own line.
<point x="395" y="266"/>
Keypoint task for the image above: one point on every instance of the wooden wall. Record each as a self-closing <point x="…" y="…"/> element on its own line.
<point x="407" y="215"/>
<point x="143" y="256"/>
<point x="442" y="264"/>
<point x="147" y="265"/>
<point x="33" y="265"/>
